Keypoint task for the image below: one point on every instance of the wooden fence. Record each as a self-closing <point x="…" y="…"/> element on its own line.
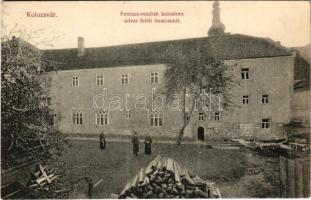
<point x="294" y="177"/>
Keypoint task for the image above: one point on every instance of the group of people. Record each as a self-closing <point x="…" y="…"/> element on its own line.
<point x="135" y="142"/>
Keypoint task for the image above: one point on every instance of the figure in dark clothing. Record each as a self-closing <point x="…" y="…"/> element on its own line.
<point x="135" y="142"/>
<point x="102" y="141"/>
<point x="148" y="142"/>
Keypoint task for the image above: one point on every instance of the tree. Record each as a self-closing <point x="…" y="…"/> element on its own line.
<point x="25" y="118"/>
<point x="196" y="71"/>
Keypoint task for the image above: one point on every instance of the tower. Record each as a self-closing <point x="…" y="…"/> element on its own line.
<point x="217" y="28"/>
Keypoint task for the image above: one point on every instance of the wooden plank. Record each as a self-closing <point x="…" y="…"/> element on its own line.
<point x="44" y="174"/>
<point x="9" y="195"/>
<point x="283" y="176"/>
<point x="98" y="182"/>
<point x="298" y="179"/>
<point x="291" y="178"/>
<point x="306" y="179"/>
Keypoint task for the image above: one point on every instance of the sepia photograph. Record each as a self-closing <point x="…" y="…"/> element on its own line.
<point x="155" y="99"/>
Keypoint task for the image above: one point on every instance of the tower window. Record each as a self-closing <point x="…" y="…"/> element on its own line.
<point x="245" y="73"/>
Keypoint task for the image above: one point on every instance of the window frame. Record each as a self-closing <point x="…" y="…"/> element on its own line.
<point x="156" y="119"/>
<point x="75" y="81"/>
<point x="125" y="77"/>
<point x="128" y="114"/>
<point x="246" y="98"/>
<point x="154" y="77"/>
<point x="201" y="116"/>
<point x="77" y="117"/>
<point x="265" y="124"/>
<point x="101" y="78"/>
<point x="217" y="116"/>
<point x="101" y="118"/>
<point x="244" y="73"/>
<point x="265" y="99"/>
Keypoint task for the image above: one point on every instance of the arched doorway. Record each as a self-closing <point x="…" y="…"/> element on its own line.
<point x="201" y="133"/>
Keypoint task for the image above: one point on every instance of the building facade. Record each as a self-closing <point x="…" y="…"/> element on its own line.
<point x="82" y="82"/>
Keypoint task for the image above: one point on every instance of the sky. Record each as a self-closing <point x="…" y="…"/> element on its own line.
<point x="101" y="24"/>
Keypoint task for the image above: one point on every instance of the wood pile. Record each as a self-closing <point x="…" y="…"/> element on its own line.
<point x="165" y="178"/>
<point x="42" y="178"/>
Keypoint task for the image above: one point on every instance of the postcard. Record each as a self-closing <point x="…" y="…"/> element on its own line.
<point x="155" y="99"/>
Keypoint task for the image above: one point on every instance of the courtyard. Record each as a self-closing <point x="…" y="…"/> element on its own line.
<point x="236" y="172"/>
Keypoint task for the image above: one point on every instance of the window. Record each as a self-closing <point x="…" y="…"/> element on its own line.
<point x="201" y="116"/>
<point x="124" y="79"/>
<point x="99" y="80"/>
<point x="51" y="118"/>
<point x="156" y="119"/>
<point x="187" y="117"/>
<point x="128" y="114"/>
<point x="48" y="82"/>
<point x="245" y="99"/>
<point x="265" y="123"/>
<point x="217" y="116"/>
<point x="245" y="73"/>
<point x="49" y="101"/>
<point x="265" y="99"/>
<point x="102" y="118"/>
<point x="77" y="117"/>
<point x="154" y="77"/>
<point x="75" y="81"/>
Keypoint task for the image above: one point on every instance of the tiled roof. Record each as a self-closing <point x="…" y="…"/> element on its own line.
<point x="226" y="47"/>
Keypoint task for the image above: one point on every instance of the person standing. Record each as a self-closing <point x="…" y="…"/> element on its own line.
<point x="135" y="142"/>
<point x="148" y="142"/>
<point x="102" y="141"/>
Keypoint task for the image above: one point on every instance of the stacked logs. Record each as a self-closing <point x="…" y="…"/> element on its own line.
<point x="42" y="178"/>
<point x="165" y="178"/>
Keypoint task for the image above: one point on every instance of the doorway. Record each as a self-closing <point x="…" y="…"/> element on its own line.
<point x="201" y="133"/>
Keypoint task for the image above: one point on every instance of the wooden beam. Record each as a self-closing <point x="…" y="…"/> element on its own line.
<point x="44" y="174"/>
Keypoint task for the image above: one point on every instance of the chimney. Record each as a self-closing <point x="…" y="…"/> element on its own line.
<point x="81" y="46"/>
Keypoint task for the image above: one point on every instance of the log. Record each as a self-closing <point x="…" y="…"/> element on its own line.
<point x="164" y="161"/>
<point x="141" y="176"/>
<point x="170" y="165"/>
<point x="44" y="182"/>
<point x="44" y="174"/>
<point x="42" y="179"/>
<point x="176" y="173"/>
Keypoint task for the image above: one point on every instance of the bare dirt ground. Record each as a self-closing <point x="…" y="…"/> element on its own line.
<point x="237" y="172"/>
